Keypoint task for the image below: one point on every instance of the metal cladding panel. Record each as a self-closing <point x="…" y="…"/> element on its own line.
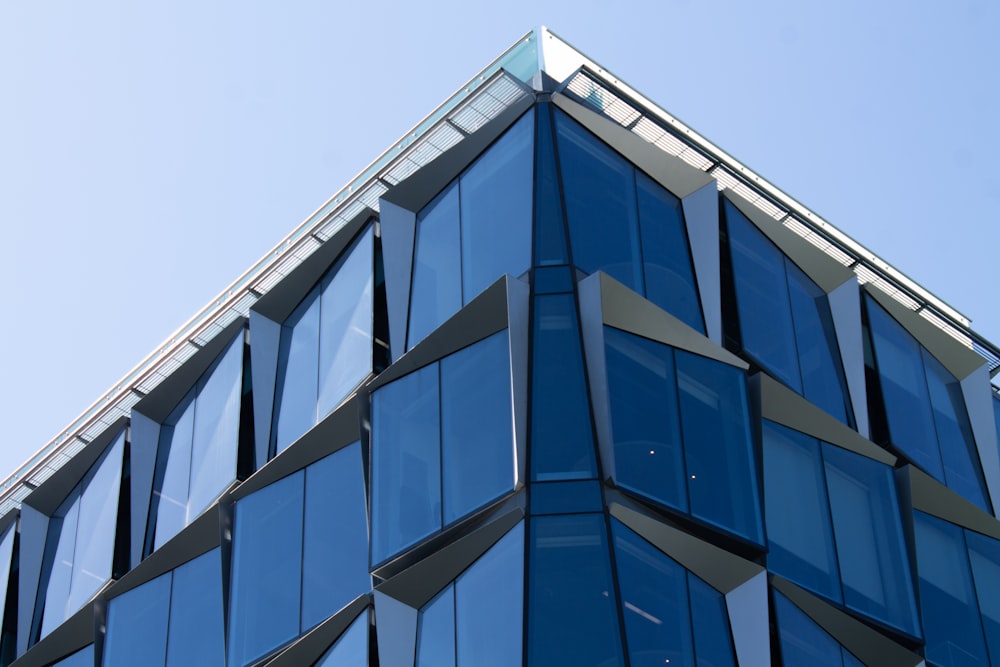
<point x="749" y="621"/>
<point x="701" y="220"/>
<point x="311" y="646"/>
<point x="931" y="496"/>
<point x="518" y="298"/>
<point x="845" y="309"/>
<point x="145" y="438"/>
<point x="396" y="627"/>
<point x="265" y="337"/>
<point x="34" y="529"/>
<point x="399" y="228"/>
<point x="979" y="402"/>
<point x="592" y="324"/>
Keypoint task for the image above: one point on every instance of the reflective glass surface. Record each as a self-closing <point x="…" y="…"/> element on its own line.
<point x="572" y="618"/>
<point x="642" y="388"/>
<point x="82" y="658"/>
<point x="566" y="497"/>
<point x="562" y="444"/>
<point x="550" y="234"/>
<point x="437" y="284"/>
<point x="137" y="625"/>
<point x="722" y="480"/>
<point x="984" y="555"/>
<point x="496" y="210"/>
<point x="713" y="641"/>
<point x="799" y="529"/>
<point x="947" y="596"/>
<point x="298" y="358"/>
<point x="266" y="571"/>
<point x="196" y="636"/>
<point x="436" y="631"/>
<point x="406" y="464"/>
<point x="803" y="643"/>
<point x="874" y="568"/>
<point x="351" y="648"/>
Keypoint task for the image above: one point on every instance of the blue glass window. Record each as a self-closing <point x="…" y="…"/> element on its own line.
<point x="174" y="620"/>
<point x="562" y="442"/>
<point x="326" y="345"/>
<point x="81" y="540"/>
<point x="625" y="224"/>
<point x="299" y="554"/>
<point x="803" y="642"/>
<point x="196" y="454"/>
<point x="784" y="318"/>
<point x="572" y="619"/>
<point x="442" y="444"/>
<point x="82" y="658"/>
<point x="948" y="602"/>
<point x="550" y="233"/>
<point x="681" y="432"/>
<point x="984" y="556"/>
<point x="475" y="231"/>
<point x="710" y="619"/>
<point x="436" y="632"/>
<point x="351" y="648"/>
<point x="924" y="411"/>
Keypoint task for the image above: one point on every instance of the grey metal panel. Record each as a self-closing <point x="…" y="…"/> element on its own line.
<point x="845" y="309"/>
<point x="823" y="269"/>
<point x="74" y="634"/>
<point x="674" y="174"/>
<point x="782" y="405"/>
<point x="399" y="228"/>
<point x="868" y="645"/>
<point x="719" y="568"/>
<point x="336" y="431"/>
<point x="265" y="337"/>
<point x="483" y="316"/>
<point x="749" y="621"/>
<point x="592" y="325"/>
<point x="201" y="536"/>
<point x="979" y="402"/>
<point x="518" y="298"/>
<point x="626" y="310"/>
<point x="416" y="585"/>
<point x="956" y="357"/>
<point x="424" y="184"/>
<point x="931" y="496"/>
<point x="701" y="219"/>
<point x="310" y="647"/>
<point x="145" y="436"/>
<point x="282" y="299"/>
<point x="34" y="528"/>
<point x="53" y="491"/>
<point x="161" y="401"/>
<point x="396" y="626"/>
<point x="7" y="519"/>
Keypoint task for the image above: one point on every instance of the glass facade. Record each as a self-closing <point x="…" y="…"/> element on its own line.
<point x="572" y="465"/>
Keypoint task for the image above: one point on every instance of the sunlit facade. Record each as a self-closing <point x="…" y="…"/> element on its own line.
<point x="551" y="386"/>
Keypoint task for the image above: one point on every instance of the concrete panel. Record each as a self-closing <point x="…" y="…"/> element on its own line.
<point x="396" y="626"/>
<point x="399" y="227"/>
<point x="749" y="621"/>
<point x="845" y="309"/>
<point x="592" y="325"/>
<point x="979" y="402"/>
<point x="145" y="435"/>
<point x="34" y="528"/>
<point x="701" y="218"/>
<point x="265" y="337"/>
<point x="518" y="299"/>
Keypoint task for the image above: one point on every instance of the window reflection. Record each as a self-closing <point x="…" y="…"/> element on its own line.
<point x="804" y="643"/>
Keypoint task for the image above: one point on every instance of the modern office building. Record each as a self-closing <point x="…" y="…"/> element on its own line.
<point x="555" y="381"/>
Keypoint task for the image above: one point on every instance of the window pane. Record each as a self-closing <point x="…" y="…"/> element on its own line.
<point x="645" y="424"/>
<point x="654" y="603"/>
<point x="267" y="570"/>
<point x="873" y="565"/>
<point x="437" y="286"/>
<point x="670" y="282"/>
<point x="61" y="539"/>
<point x="335" y="543"/>
<point x="799" y="533"/>
<point x="436" y="634"/>
<point x="803" y="643"/>
<point x="137" y="625"/>
<point x="947" y="599"/>
<point x="984" y="555"/>
<point x="173" y="453"/>
<point x="351" y="649"/>
<point x="345" y="334"/>
<point x="82" y="658"/>
<point x="713" y="642"/>
<point x="297" y="387"/>
<point x="477" y="431"/>
<point x="958" y="449"/>
<point x="572" y="615"/>
<point x="496" y="210"/>
<point x="550" y="234"/>
<point x="819" y="355"/>
<point x="406" y="466"/>
<point x="904" y="390"/>
<point x="196" y="637"/>
<point x="599" y="189"/>
<point x="762" y="299"/>
<point x="562" y="445"/>
<point x="489" y="605"/>
<point x="722" y="478"/>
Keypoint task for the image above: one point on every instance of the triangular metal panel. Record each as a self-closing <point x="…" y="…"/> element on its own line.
<point x="701" y="220"/>
<point x="265" y="338"/>
<point x="749" y="621"/>
<point x="931" y="496"/>
<point x="592" y="325"/>
<point x="145" y="436"/>
<point x="399" y="228"/>
<point x="845" y="310"/>
<point x="34" y="528"/>
<point x="978" y="395"/>
<point x="396" y="627"/>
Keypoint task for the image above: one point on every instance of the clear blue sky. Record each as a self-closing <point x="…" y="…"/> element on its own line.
<point x="150" y="152"/>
